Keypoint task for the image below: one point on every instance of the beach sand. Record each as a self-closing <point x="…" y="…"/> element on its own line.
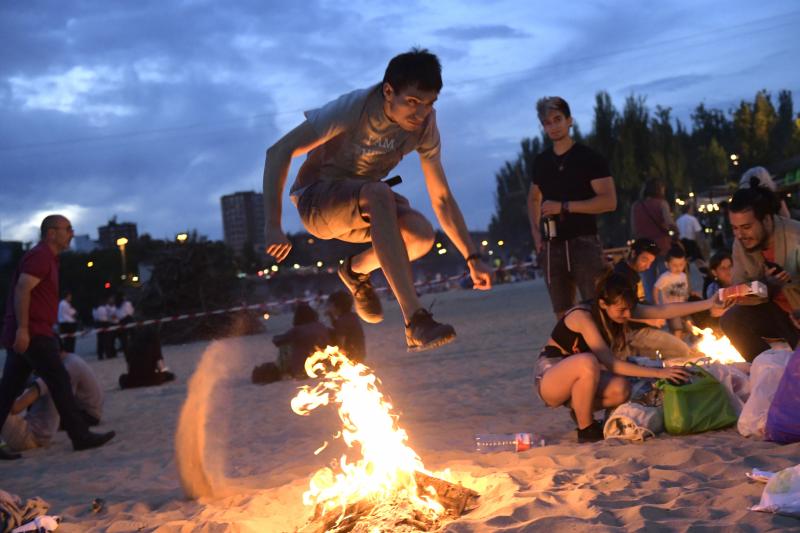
<point x="259" y="455"/>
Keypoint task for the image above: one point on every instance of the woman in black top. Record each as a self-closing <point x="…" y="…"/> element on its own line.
<point x="578" y="366"/>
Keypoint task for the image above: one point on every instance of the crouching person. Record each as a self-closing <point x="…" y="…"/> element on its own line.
<point x="34" y="419"/>
<point x="579" y="366"/>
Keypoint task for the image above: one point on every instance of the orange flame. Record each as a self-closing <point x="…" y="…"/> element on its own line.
<point x="719" y="349"/>
<point x="386" y="468"/>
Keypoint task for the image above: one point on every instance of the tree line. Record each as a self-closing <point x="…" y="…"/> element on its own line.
<point x="641" y="144"/>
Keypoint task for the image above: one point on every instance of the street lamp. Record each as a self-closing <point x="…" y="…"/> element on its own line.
<point x="182" y="237"/>
<point x="121" y="242"/>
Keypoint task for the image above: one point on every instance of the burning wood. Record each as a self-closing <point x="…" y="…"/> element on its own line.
<point x="388" y="487"/>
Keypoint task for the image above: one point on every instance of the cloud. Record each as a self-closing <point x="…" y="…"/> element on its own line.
<point x="476" y="33"/>
<point x="672" y="83"/>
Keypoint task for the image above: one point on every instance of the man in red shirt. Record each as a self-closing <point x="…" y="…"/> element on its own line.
<point x="29" y="337"/>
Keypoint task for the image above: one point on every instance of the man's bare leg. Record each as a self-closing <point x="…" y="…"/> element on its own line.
<point x="388" y="246"/>
<point x="417" y="234"/>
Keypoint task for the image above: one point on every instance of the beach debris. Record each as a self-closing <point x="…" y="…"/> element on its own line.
<point x="781" y="494"/>
<point x="719" y="349"/>
<point x="387" y="487"/>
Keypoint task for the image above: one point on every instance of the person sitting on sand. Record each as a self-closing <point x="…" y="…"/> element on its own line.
<point x="146" y="366"/>
<point x="34" y="418"/>
<point x="307" y="335"/>
<point x="346" y="330"/>
<point x="578" y="366"/>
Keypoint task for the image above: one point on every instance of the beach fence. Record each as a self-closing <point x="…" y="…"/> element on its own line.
<point x="611" y="254"/>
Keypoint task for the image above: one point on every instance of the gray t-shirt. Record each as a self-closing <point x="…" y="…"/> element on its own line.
<point x="42" y="416"/>
<point x="362" y="142"/>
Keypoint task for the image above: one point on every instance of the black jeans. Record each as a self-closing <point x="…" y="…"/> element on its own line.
<point x="68" y="342"/>
<point x="748" y="325"/>
<point x="43" y="358"/>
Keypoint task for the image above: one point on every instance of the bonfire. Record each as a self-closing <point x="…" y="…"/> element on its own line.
<point x="718" y="349"/>
<point x="386" y="486"/>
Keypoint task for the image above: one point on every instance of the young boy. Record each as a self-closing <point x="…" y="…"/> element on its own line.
<point x="673" y="287"/>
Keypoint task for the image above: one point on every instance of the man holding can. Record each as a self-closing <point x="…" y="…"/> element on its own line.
<point x="571" y="186"/>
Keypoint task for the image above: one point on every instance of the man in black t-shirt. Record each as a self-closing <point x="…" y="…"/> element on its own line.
<point x="571" y="185"/>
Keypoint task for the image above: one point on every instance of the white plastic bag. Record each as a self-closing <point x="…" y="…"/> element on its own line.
<point x="765" y="374"/>
<point x="782" y="493"/>
<point x="736" y="383"/>
<point x="634" y="421"/>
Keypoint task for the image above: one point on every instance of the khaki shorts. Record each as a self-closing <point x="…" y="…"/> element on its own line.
<point x="330" y="209"/>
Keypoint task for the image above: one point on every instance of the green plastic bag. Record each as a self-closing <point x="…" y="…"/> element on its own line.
<point x="695" y="407"/>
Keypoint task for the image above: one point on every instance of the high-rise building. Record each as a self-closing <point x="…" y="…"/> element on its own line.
<point x="243" y="220"/>
<point x="114" y="230"/>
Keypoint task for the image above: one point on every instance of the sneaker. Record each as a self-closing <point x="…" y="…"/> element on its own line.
<point x="424" y="333"/>
<point x="592" y="433"/>
<point x="365" y="299"/>
<point x="92" y="440"/>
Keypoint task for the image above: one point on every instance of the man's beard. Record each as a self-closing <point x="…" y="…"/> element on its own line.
<point x="760" y="245"/>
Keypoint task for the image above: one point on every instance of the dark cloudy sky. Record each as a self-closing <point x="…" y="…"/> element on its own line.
<point x="151" y="110"/>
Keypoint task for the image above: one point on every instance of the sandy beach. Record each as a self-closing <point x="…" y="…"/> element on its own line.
<point x="259" y="454"/>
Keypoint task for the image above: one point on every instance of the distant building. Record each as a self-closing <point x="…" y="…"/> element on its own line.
<point x="243" y="220"/>
<point x="83" y="244"/>
<point x="114" y="230"/>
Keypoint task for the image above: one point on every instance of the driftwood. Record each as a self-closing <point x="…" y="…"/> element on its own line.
<point x="456" y="499"/>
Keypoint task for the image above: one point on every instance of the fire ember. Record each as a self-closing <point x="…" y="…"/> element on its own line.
<point x="387" y="488"/>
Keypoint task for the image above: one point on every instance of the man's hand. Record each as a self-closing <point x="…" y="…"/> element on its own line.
<point x="777" y="277"/>
<point x="550" y="208"/>
<point x="277" y="244"/>
<point x="481" y="275"/>
<point x="657" y="323"/>
<point x="537" y="240"/>
<point x="22" y="340"/>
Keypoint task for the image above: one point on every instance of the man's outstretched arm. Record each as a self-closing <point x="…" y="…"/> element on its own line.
<point x="297" y="142"/>
<point x="452" y="221"/>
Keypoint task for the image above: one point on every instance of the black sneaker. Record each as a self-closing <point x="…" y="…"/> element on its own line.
<point x="591" y="433"/>
<point x="365" y="299"/>
<point x="424" y="333"/>
<point x="6" y="454"/>
<point x="92" y="440"/>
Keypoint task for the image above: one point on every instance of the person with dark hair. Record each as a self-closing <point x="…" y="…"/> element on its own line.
<point x="645" y="336"/>
<point x="346" y="331"/>
<point x="580" y="366"/>
<point x="572" y="184"/>
<point x="306" y="336"/>
<point x="146" y="366"/>
<point x="673" y="287"/>
<point x="352" y="143"/>
<point x="651" y="218"/>
<point x="67" y="321"/>
<point x="720" y="273"/>
<point x="766" y="248"/>
<point x="29" y="338"/>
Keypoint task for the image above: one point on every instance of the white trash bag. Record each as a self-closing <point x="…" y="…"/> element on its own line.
<point x="736" y="383"/>
<point x="765" y="374"/>
<point x="634" y="422"/>
<point x="782" y="493"/>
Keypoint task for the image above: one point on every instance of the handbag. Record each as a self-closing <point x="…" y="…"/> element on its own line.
<point x="698" y="406"/>
<point x="634" y="422"/>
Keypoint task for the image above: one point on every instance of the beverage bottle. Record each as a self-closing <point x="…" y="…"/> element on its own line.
<point x="507" y="442"/>
<point x="549" y="228"/>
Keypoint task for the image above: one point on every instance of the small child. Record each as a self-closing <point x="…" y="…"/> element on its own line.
<point x="721" y="273"/>
<point x="673" y="286"/>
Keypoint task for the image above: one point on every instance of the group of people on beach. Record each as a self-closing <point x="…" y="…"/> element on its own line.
<point x="354" y="141"/>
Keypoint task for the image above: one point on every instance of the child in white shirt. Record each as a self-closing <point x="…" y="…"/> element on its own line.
<point x="673" y="286"/>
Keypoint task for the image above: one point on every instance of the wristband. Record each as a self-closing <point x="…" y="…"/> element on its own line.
<point x="470" y="257"/>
